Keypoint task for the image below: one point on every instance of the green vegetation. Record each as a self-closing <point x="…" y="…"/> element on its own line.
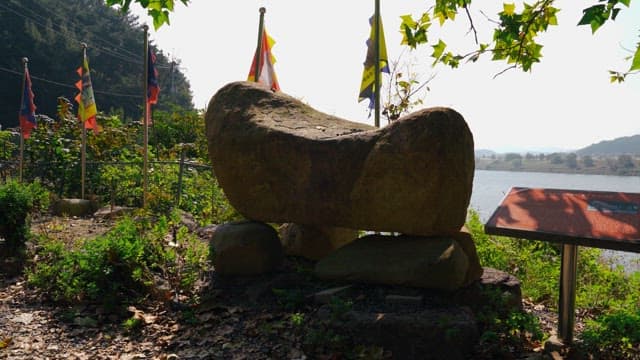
<point x="605" y="293"/>
<point x="570" y="163"/>
<point x="122" y="265"/>
<point x="18" y="201"/>
<point x="50" y="32"/>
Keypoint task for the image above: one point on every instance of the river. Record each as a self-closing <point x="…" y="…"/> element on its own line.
<point x="489" y="187"/>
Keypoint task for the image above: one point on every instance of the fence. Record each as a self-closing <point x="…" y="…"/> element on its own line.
<point x="186" y="184"/>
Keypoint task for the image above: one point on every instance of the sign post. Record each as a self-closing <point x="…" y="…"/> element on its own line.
<point x="601" y="219"/>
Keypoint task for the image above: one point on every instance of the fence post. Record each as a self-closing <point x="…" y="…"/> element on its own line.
<point x="180" y="175"/>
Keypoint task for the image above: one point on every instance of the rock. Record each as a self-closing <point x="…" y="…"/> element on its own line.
<point x="187" y="220"/>
<point x="279" y="160"/>
<point x="434" y="263"/>
<point x="439" y="333"/>
<point x="314" y="242"/>
<point x="206" y="232"/>
<point x="482" y="293"/>
<point x="464" y="239"/>
<point x="72" y="207"/>
<point x="245" y="248"/>
<point x="113" y="212"/>
<point x="325" y="296"/>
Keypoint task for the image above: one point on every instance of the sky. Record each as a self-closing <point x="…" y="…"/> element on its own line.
<point x="564" y="103"/>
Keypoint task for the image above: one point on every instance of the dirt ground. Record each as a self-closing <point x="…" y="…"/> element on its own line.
<point x="234" y="319"/>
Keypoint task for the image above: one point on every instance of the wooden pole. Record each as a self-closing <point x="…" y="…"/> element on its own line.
<point x="83" y="148"/>
<point x="145" y="155"/>
<point x="24" y="81"/>
<point x="376" y="94"/>
<point x="258" y="58"/>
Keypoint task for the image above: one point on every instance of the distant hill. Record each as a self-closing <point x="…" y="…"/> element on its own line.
<point x="622" y="145"/>
<point x="50" y="32"/>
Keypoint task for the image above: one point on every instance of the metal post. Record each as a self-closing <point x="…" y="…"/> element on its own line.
<point x="83" y="146"/>
<point x="566" y="311"/>
<point x="24" y="80"/>
<point x="180" y="175"/>
<point x="145" y="155"/>
<point x="376" y="20"/>
<point x="258" y="58"/>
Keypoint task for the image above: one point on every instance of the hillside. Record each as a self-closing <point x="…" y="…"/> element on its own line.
<point x="623" y="145"/>
<point x="50" y="32"/>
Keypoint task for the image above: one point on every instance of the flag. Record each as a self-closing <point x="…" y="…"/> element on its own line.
<point x="367" y="87"/>
<point x="87" y="109"/>
<point x="27" y="113"/>
<point x="267" y="73"/>
<point x="153" y="89"/>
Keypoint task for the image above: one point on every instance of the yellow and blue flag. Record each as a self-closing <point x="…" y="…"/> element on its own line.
<point x="87" y="109"/>
<point x="367" y="87"/>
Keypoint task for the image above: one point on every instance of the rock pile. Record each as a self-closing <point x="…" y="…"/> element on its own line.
<point x="280" y="161"/>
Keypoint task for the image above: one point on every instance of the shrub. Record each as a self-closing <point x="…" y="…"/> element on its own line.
<point x="121" y="265"/>
<point x="17" y="202"/>
<point x="615" y="335"/>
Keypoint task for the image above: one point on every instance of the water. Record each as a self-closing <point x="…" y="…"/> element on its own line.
<point x="490" y="187"/>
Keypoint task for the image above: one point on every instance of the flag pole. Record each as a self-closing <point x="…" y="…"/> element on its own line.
<point x="145" y="155"/>
<point x="376" y="92"/>
<point x="83" y="148"/>
<point x="256" y="72"/>
<point x="24" y="80"/>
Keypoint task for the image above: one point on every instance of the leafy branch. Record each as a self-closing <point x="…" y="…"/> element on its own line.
<point x="514" y="39"/>
<point x="596" y="16"/>
<point x="159" y="10"/>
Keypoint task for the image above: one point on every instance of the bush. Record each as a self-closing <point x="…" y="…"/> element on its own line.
<point x="17" y="202"/>
<point x="604" y="291"/>
<point x="615" y="335"/>
<point x="121" y="265"/>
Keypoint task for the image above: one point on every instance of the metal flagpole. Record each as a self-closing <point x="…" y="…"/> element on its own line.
<point x="376" y="94"/>
<point x="24" y="80"/>
<point x="258" y="57"/>
<point x="145" y="156"/>
<point x="83" y="149"/>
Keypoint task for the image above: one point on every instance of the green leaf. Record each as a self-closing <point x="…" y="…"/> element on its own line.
<point x="438" y="50"/>
<point x="407" y="21"/>
<point x="635" y="64"/>
<point x="508" y="9"/>
<point x="595" y="16"/>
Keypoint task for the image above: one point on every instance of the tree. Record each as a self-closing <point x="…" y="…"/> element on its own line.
<point x="52" y="44"/>
<point x="515" y="35"/>
<point x="587" y="160"/>
<point x="625" y="161"/>
<point x="555" y="158"/>
<point x="512" y="156"/>
<point x="572" y="160"/>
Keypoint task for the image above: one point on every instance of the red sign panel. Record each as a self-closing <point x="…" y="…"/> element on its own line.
<point x="609" y="220"/>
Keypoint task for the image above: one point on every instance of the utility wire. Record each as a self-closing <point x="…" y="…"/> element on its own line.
<point x="130" y="56"/>
<point x="73" y="38"/>
<point x="67" y="85"/>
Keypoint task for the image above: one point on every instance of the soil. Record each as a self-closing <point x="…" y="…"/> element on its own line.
<point x="239" y="318"/>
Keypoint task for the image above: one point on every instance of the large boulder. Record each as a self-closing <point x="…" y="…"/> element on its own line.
<point x="279" y="160"/>
<point x="440" y="262"/>
<point x="245" y="248"/>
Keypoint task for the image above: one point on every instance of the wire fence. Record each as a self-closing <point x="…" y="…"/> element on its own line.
<point x="184" y="183"/>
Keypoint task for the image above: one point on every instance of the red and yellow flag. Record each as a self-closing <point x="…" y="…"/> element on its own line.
<point x="87" y="109"/>
<point x="266" y="60"/>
